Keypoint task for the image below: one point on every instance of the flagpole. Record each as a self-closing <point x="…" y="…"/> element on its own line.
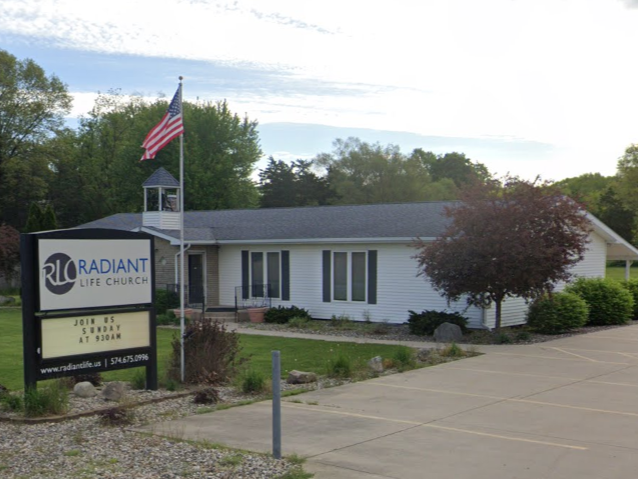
<point x="181" y="238"/>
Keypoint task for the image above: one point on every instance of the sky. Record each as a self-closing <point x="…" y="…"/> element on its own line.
<point x="526" y="87"/>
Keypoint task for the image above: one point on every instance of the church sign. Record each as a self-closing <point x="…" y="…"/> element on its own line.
<point x="87" y="299"/>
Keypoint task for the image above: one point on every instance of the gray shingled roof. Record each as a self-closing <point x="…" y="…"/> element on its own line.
<point x="161" y="178"/>
<point x="396" y="220"/>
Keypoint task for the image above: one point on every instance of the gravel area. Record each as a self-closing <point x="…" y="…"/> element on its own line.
<point x="86" y="447"/>
<point x="400" y="332"/>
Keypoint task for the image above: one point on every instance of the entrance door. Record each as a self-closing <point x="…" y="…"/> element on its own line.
<point x="195" y="279"/>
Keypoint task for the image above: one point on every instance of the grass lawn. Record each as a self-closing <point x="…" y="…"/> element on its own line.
<point x="303" y="354"/>
<point x="618" y="273"/>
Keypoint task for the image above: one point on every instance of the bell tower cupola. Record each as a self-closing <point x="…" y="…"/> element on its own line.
<point x="161" y="201"/>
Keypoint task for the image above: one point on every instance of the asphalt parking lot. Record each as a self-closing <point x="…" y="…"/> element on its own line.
<point x="562" y="409"/>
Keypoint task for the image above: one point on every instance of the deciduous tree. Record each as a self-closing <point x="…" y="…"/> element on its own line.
<point x="32" y="108"/>
<point x="9" y="250"/>
<point x="518" y="240"/>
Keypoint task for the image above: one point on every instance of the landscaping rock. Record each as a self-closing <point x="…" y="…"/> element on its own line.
<point x="448" y="333"/>
<point x="376" y="364"/>
<point x="114" y="391"/>
<point x="301" y="377"/>
<point x="84" y="389"/>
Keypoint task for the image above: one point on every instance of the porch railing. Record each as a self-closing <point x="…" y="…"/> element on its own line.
<point x="253" y="296"/>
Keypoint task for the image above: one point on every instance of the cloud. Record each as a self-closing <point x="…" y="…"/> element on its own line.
<point x="630" y="3"/>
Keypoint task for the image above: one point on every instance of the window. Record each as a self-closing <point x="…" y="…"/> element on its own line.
<point x="349" y="276"/>
<point x="265" y="268"/>
<point x="272" y="278"/>
<point x="257" y="274"/>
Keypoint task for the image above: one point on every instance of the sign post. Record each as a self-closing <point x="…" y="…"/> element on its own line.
<point x="87" y="303"/>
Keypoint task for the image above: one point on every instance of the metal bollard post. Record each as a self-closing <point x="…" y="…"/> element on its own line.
<point x="276" y="405"/>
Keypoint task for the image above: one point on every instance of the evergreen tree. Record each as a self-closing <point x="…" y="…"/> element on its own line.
<point x="34" y="222"/>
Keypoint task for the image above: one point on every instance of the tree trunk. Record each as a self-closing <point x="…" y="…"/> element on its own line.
<point x="497" y="322"/>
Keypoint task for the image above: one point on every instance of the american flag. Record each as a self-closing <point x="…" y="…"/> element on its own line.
<point x="170" y="127"/>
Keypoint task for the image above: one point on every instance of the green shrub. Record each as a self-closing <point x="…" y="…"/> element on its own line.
<point x="298" y="322"/>
<point x="557" y="313"/>
<point x="608" y="301"/>
<point x="52" y="399"/>
<point x="340" y="367"/>
<point x="403" y="358"/>
<point x="253" y="382"/>
<point x="501" y="337"/>
<point x="11" y="402"/>
<point x="342" y="321"/>
<point x="631" y="285"/>
<point x="167" y="318"/>
<point x="452" y="351"/>
<point x="165" y="300"/>
<point x="282" y="315"/>
<point x="138" y="381"/>
<point x="426" y="322"/>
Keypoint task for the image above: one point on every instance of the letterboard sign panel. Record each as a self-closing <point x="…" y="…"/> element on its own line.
<point x="91" y="273"/>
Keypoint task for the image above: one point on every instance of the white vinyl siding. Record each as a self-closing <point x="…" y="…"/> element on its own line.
<point x="514" y="310"/>
<point x="398" y="287"/>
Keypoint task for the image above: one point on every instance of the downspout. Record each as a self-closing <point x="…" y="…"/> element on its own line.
<point x="186" y="248"/>
<point x="627" y="268"/>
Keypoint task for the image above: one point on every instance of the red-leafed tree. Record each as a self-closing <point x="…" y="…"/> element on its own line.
<point x="9" y="250"/>
<point x="518" y="238"/>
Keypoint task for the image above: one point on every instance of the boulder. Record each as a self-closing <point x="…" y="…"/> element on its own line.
<point x="114" y="391"/>
<point x="84" y="389"/>
<point x="301" y="377"/>
<point x="376" y="364"/>
<point x="448" y="333"/>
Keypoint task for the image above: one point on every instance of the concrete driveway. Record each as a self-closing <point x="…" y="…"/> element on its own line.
<point x="562" y="409"/>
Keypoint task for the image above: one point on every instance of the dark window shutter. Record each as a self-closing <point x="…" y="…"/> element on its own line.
<point x="327" y="277"/>
<point x="285" y="275"/>
<point x="245" y="275"/>
<point x="372" y="277"/>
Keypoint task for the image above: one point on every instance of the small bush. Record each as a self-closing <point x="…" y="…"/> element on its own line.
<point x="632" y="286"/>
<point x="165" y="300"/>
<point x="424" y="323"/>
<point x="138" y="381"/>
<point x="52" y="399"/>
<point x="340" y="367"/>
<point x="167" y="318"/>
<point x="282" y="315"/>
<point x="211" y="353"/>
<point x="608" y="301"/>
<point x="523" y="335"/>
<point x="121" y="415"/>
<point x="501" y="337"/>
<point x="404" y="359"/>
<point x="253" y="382"/>
<point x="342" y="321"/>
<point x="557" y="313"/>
<point x="299" y="322"/>
<point x="207" y="395"/>
<point x="452" y="351"/>
<point x="11" y="402"/>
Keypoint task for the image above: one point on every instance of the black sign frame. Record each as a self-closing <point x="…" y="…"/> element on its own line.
<point x="35" y="367"/>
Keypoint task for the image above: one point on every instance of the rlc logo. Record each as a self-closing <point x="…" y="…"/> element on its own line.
<point x="60" y="273"/>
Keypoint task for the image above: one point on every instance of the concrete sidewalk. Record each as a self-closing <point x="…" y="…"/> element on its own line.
<point x="562" y="409"/>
